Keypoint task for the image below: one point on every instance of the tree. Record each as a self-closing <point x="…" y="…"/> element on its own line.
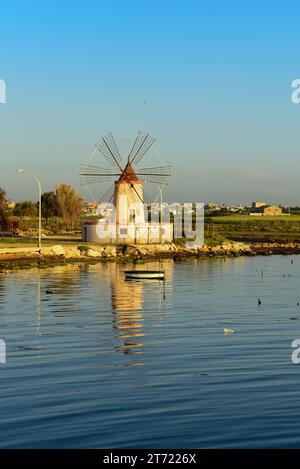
<point x="3" y="210"/>
<point x="69" y="204"/>
<point x="26" y="208"/>
<point x="49" y="205"/>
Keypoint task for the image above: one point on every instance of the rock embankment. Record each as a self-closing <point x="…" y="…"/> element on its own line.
<point x="267" y="249"/>
<point x="26" y="257"/>
<point x="227" y="249"/>
<point x="97" y="252"/>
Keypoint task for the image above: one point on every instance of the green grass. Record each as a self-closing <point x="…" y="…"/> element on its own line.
<point x="83" y="248"/>
<point x="282" y="228"/>
<point x="254" y="219"/>
<point x="9" y="240"/>
<point x="19" y="242"/>
<point x="216" y="240"/>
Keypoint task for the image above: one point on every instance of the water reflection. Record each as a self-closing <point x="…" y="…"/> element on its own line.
<point x="56" y="290"/>
<point x="60" y="290"/>
<point x="129" y="309"/>
<point x="72" y="298"/>
<point x="2" y="290"/>
<point x="38" y="306"/>
<point x="127" y="313"/>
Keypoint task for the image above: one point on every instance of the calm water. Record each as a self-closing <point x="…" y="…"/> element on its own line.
<point x="94" y="361"/>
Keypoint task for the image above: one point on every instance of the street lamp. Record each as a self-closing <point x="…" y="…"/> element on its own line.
<point x="40" y="201"/>
<point x="160" y="211"/>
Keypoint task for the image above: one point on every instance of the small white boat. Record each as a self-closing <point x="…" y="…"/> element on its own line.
<point x="145" y="274"/>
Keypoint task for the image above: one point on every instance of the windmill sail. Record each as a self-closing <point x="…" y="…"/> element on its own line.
<point x="157" y="175"/>
<point x="133" y="178"/>
<point x="94" y="174"/>
<point x="107" y="146"/>
<point x="141" y="145"/>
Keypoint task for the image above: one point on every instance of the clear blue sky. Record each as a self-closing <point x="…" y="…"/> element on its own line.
<point x="215" y="75"/>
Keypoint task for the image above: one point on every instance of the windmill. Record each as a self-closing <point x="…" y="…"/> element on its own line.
<point x="127" y="189"/>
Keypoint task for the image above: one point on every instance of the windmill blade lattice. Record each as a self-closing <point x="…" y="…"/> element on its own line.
<point x="157" y="175"/>
<point x="146" y="197"/>
<point x="108" y="196"/>
<point x="90" y="174"/>
<point x="107" y="146"/>
<point x="142" y="144"/>
<point x="94" y="174"/>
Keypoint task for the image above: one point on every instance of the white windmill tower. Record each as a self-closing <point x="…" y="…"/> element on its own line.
<point x="126" y="192"/>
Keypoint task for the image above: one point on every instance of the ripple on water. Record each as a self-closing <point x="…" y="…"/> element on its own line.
<point x="101" y="362"/>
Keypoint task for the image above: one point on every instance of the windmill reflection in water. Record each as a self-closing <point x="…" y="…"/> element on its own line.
<point x="129" y="311"/>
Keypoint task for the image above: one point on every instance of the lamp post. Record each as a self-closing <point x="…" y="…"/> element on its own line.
<point x="40" y="201"/>
<point x="160" y="211"/>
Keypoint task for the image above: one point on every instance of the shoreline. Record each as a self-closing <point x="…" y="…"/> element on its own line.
<point x="21" y="259"/>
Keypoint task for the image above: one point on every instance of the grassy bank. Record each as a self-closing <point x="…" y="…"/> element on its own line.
<point x="284" y="229"/>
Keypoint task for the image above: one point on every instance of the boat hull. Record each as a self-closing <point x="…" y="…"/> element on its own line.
<point x="145" y="274"/>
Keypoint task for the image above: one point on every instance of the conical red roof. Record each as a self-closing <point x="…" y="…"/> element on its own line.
<point x="128" y="175"/>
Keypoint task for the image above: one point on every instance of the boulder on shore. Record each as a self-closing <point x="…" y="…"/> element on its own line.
<point x="58" y="250"/>
<point x="72" y="252"/>
<point x="33" y="255"/>
<point x="92" y="253"/>
<point x="110" y="251"/>
<point x="45" y="252"/>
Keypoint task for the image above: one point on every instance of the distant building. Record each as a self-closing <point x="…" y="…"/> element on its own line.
<point x="258" y="204"/>
<point x="213" y="207"/>
<point x="90" y="208"/>
<point x="267" y="210"/>
<point x="272" y="210"/>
